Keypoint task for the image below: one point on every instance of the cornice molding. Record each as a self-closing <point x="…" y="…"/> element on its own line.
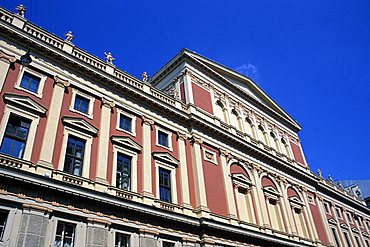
<point x="8" y="58"/>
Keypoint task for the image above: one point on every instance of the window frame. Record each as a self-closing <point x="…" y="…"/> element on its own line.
<point x="80" y="230"/>
<point x="128" y="235"/>
<point x="4" y="227"/>
<point x="73" y="235"/>
<point x="349" y="217"/>
<point x="172" y="169"/>
<point x="133" y="122"/>
<point x="91" y="99"/>
<point x="10" y="109"/>
<point x="76" y="139"/>
<point x="338" y="212"/>
<point x="134" y="160"/>
<point x="42" y="81"/>
<point x="169" y="134"/>
<point x="87" y="152"/>
<point x="214" y="160"/>
<point x="327" y="208"/>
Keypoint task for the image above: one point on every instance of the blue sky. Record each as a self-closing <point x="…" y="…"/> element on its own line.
<point x="311" y="56"/>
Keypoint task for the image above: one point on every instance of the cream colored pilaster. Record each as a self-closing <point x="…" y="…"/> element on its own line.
<point x="287" y="212"/>
<point x="102" y="159"/>
<point x="253" y="126"/>
<point x="319" y="201"/>
<point x="260" y="199"/>
<point x="48" y="143"/>
<point x="184" y="180"/>
<point x="228" y="184"/>
<point x="5" y="61"/>
<point x="200" y="188"/>
<point x="310" y="222"/>
<point x="147" y="157"/>
<point x="188" y="87"/>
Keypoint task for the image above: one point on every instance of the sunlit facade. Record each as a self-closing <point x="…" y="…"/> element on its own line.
<point x="198" y="156"/>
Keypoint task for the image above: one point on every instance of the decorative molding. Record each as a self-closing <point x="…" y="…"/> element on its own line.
<point x="332" y="221"/>
<point x="25" y="102"/>
<point x="61" y="82"/>
<point x="81" y="124"/>
<point x="223" y="152"/>
<point x="195" y="140"/>
<point x="181" y="136"/>
<point x="165" y="157"/>
<point x="126" y="142"/>
<point x="107" y="103"/>
<point x="7" y="57"/>
<point x="147" y="121"/>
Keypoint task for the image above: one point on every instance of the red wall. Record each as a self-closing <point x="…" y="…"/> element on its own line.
<point x="318" y="220"/>
<point x="215" y="191"/>
<point x="202" y="98"/>
<point x="298" y="156"/>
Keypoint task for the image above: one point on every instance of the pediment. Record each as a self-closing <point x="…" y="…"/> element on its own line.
<point x="365" y="234"/>
<point x="354" y="229"/>
<point x="241" y="178"/>
<point x="271" y="190"/>
<point x="166" y="157"/>
<point x="81" y="124"/>
<point x="344" y="225"/>
<point x="24" y="102"/>
<point x="332" y="221"/>
<point x="296" y="200"/>
<point x="126" y="142"/>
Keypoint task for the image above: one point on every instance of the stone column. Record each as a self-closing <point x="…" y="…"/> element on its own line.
<point x="103" y="144"/>
<point x="148" y="238"/>
<point x="310" y="220"/>
<point x="5" y="61"/>
<point x="33" y="227"/>
<point x="189" y="98"/>
<point x="147" y="158"/>
<point x="261" y="199"/>
<point x="199" y="185"/>
<point x="97" y="233"/>
<point x="228" y="185"/>
<point x="184" y="180"/>
<point x="48" y="142"/>
<point x="287" y="211"/>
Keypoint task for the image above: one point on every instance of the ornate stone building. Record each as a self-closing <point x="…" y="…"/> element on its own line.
<point x="196" y="156"/>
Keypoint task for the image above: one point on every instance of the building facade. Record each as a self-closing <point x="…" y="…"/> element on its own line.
<point x="197" y="156"/>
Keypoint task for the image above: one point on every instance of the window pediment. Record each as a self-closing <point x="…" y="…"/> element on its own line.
<point x="344" y="225"/>
<point x="354" y="229"/>
<point x="295" y="202"/>
<point x="25" y="102"/>
<point x="269" y="190"/>
<point x="166" y="157"/>
<point x="126" y="142"/>
<point x="332" y="221"/>
<point x="81" y="124"/>
<point x="239" y="177"/>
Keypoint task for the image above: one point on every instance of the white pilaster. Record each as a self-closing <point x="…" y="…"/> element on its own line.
<point x="184" y="179"/>
<point x="147" y="158"/>
<point x="48" y="142"/>
<point x="5" y="61"/>
<point x="228" y="185"/>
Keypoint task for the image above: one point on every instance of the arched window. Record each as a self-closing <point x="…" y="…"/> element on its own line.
<point x="235" y="120"/>
<point x="275" y="141"/>
<point x="262" y="135"/>
<point x="296" y="205"/>
<point x="272" y="197"/>
<point x="220" y="111"/>
<point x="249" y="128"/>
<point x="285" y="147"/>
<point x="242" y="184"/>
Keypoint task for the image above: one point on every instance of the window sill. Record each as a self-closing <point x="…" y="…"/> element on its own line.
<point x="38" y="95"/>
<point x="168" y="148"/>
<point x="81" y="113"/>
<point x="127" y="132"/>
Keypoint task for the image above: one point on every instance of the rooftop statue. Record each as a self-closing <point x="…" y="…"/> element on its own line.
<point x="145" y="76"/>
<point x="330" y="179"/>
<point x="69" y="36"/>
<point x="21" y="9"/>
<point x="109" y="58"/>
<point x="319" y="173"/>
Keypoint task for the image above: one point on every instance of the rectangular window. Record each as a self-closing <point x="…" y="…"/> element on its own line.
<point x="339" y="214"/>
<point x="358" y="241"/>
<point x="15" y="136"/>
<point x="74" y="155"/>
<point x="3" y="219"/>
<point x="123" y="176"/>
<point x="30" y="82"/>
<point x="164" y="185"/>
<point x="125" y="123"/>
<point x="81" y="104"/>
<point x="347" y="239"/>
<point x="349" y="217"/>
<point x="162" y="138"/>
<point x="336" y="237"/>
<point x="326" y="206"/>
<point x="64" y="236"/>
<point x="168" y="244"/>
<point x="121" y="240"/>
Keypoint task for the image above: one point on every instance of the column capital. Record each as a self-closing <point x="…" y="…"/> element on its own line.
<point x="195" y="140"/>
<point x="7" y="57"/>
<point x="223" y="152"/>
<point x="61" y="82"/>
<point x="147" y="120"/>
<point x="181" y="136"/>
<point x="107" y="103"/>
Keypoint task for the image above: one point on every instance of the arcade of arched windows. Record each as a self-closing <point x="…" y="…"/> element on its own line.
<point x="255" y="128"/>
<point x="268" y="200"/>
